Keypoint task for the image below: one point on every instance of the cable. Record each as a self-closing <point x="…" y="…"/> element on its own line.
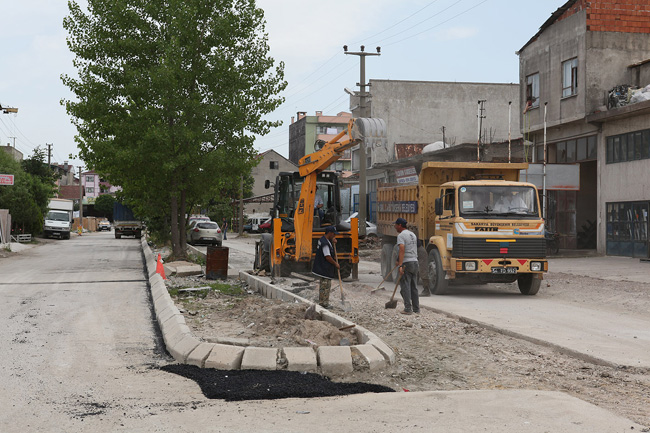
<point x="438" y="25"/>
<point x="399" y="22"/>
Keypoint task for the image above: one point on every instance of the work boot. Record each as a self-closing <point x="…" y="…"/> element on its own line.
<point x="406" y="312"/>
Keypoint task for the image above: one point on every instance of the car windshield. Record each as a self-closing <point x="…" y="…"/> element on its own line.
<point x="209" y="225"/>
<point x="57" y="216"/>
<point x="490" y="200"/>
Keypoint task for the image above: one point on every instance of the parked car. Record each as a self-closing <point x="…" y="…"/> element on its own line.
<point x="254" y="223"/>
<point x="104" y="225"/>
<point x="265" y="227"/>
<point x="371" y="228"/>
<point x="204" y="232"/>
<point x="192" y="218"/>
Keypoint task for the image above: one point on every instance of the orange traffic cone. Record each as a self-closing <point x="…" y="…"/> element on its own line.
<point x="160" y="269"/>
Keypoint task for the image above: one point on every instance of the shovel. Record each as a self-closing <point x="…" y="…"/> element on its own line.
<point x="372" y="292"/>
<point x="344" y="305"/>
<point x="393" y="303"/>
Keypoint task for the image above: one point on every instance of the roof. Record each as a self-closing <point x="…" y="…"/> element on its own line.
<point x="554" y="17"/>
<point x="69" y="192"/>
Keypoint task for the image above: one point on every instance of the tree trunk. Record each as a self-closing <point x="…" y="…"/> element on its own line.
<point x="183" y="222"/>
<point x="176" y="247"/>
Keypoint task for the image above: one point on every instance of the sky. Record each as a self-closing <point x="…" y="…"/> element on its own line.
<point x="421" y="40"/>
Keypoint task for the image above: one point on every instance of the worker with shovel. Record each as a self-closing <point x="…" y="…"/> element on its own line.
<point x="407" y="260"/>
<point x="325" y="265"/>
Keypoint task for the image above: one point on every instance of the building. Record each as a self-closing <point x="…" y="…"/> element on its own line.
<point x="270" y="165"/>
<point x="575" y="69"/>
<point x="417" y="113"/>
<point x="15" y="153"/>
<point x="305" y="130"/>
<point x="64" y="173"/>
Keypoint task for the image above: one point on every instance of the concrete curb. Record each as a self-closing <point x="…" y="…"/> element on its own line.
<point x="331" y="360"/>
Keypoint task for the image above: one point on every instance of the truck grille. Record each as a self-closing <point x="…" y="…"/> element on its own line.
<point x="523" y="247"/>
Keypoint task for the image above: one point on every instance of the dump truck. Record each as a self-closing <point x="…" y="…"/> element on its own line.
<point x="58" y="220"/>
<point x="124" y="223"/>
<point x="297" y="225"/>
<point x="475" y="223"/>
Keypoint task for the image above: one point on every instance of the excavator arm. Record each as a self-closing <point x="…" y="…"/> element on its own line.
<point x="309" y="167"/>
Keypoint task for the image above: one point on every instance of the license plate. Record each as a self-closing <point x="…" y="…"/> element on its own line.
<point x="504" y="270"/>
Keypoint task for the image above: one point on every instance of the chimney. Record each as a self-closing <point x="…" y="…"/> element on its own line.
<point x="301" y="114"/>
<point x="293" y="119"/>
<point x="319" y="113"/>
<point x="65" y="165"/>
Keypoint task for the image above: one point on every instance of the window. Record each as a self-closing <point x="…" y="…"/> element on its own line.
<point x="274" y="165"/>
<point x="630" y="146"/>
<point x="90" y="190"/>
<point x="532" y="90"/>
<point x="627" y="229"/>
<point x="90" y="179"/>
<point x="570" y="78"/>
<point x="449" y="199"/>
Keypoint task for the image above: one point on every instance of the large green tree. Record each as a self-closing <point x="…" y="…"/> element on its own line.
<point x="169" y="95"/>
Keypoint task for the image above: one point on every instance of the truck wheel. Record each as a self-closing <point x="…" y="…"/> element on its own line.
<point x="528" y="284"/>
<point x="386" y="257"/>
<point x="138" y="234"/>
<point x="346" y="268"/>
<point x="437" y="282"/>
<point x="118" y="236"/>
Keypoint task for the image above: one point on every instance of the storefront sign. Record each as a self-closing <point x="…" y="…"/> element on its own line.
<point x="6" y="179"/>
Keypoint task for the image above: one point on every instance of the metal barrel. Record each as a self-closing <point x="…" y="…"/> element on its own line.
<point x="216" y="263"/>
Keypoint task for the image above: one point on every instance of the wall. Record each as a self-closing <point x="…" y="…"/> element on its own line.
<point x="415" y="111"/>
<point x="263" y="172"/>
<point x="623" y="181"/>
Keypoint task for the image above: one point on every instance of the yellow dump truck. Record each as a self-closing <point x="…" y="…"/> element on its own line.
<point x="475" y="222"/>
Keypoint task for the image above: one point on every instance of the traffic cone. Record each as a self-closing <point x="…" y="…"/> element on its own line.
<point x="160" y="269"/>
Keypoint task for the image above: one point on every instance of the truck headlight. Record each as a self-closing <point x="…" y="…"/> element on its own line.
<point x="535" y="266"/>
<point x="470" y="266"/>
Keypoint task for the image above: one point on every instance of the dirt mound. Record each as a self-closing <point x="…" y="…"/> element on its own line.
<point x="257" y="321"/>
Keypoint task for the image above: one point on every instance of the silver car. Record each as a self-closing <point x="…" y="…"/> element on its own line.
<point x="204" y="232"/>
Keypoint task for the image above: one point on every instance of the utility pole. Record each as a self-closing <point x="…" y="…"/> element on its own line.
<point x="481" y="109"/>
<point x="49" y="154"/>
<point x="81" y="201"/>
<point x="444" y="143"/>
<point x="364" y="112"/>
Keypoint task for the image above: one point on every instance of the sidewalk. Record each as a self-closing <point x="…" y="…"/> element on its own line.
<point x="606" y="268"/>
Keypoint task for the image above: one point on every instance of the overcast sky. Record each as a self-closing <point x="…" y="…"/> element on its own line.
<point x="439" y="40"/>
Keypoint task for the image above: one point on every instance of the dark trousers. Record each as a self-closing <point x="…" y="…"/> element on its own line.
<point x="409" y="287"/>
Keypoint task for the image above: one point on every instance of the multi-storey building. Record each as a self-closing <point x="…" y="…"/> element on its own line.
<point x="572" y="73"/>
<point x="305" y="130"/>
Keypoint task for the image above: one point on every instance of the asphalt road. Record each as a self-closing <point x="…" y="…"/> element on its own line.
<point x="81" y="353"/>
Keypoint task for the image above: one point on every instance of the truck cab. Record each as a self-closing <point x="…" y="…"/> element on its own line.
<point x="489" y="231"/>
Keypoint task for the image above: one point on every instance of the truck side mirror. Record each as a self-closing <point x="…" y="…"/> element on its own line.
<point x="438" y="206"/>
<point x="267" y="184"/>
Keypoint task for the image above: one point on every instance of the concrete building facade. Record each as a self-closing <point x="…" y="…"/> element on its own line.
<point x="305" y="130"/>
<point x="270" y="165"/>
<point x="570" y="70"/>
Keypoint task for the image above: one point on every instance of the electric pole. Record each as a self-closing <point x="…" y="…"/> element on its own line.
<point x="81" y="201"/>
<point x="444" y="143"/>
<point x="364" y="112"/>
<point x="49" y="154"/>
<point x="481" y="109"/>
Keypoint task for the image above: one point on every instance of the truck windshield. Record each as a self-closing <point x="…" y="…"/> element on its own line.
<point x="491" y="200"/>
<point x="57" y="216"/>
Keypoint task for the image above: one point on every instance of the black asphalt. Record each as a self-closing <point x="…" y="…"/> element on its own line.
<point x="238" y="385"/>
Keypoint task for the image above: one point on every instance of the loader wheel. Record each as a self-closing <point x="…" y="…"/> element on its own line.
<point x="386" y="257"/>
<point x="264" y="258"/>
<point x="346" y="268"/>
<point x="437" y="282"/>
<point x="528" y="284"/>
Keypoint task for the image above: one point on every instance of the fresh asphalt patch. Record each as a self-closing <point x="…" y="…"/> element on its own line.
<point x="238" y="385"/>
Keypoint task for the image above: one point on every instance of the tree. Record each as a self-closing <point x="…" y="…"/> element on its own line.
<point x="27" y="199"/>
<point x="104" y="205"/>
<point x="169" y="96"/>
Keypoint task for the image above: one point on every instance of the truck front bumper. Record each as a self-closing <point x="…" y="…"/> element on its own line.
<point x="498" y="266"/>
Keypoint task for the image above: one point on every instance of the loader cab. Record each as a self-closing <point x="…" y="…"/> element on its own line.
<point x="287" y="194"/>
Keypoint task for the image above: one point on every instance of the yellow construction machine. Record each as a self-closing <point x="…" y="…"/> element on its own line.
<point x="297" y="225"/>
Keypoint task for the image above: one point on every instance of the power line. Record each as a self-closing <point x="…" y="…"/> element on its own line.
<point x="439" y="24"/>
